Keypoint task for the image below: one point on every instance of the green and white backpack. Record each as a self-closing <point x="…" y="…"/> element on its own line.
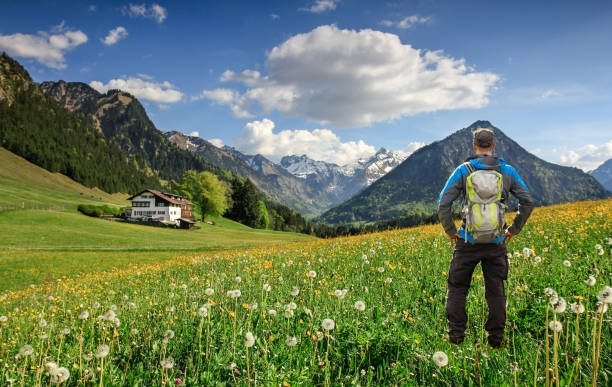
<point x="483" y="211"/>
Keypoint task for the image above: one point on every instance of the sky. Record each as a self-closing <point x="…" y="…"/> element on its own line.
<point x="338" y="79"/>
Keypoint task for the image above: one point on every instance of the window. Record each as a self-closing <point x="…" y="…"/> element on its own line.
<point x="141" y="204"/>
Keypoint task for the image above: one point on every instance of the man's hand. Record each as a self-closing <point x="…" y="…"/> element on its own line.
<point x="507" y="236"/>
<point x="453" y="238"/>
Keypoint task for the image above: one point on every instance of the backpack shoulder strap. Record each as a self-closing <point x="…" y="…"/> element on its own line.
<point x="469" y="166"/>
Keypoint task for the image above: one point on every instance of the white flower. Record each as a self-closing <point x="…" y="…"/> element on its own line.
<point x="209" y="292"/>
<point x="591" y="281"/>
<point x="134" y="331"/>
<point x="598" y="246"/>
<point x="338" y="293"/>
<point x="249" y="340"/>
<point x="184" y="286"/>
<point x="288" y="313"/>
<point x="388" y="280"/>
<point x="360" y="306"/>
<point x="577" y="308"/>
<point x="3" y="319"/>
<point x="381" y="269"/>
<point x="295" y="291"/>
<point x="234" y="293"/>
<point x="537" y="259"/>
<point x="567" y="263"/>
<point x="517" y="254"/>
<point x="291" y="341"/>
<point x="102" y="351"/>
<point x="559" y="306"/>
<point x="555" y="326"/>
<point x="527" y="252"/>
<point x="267" y="287"/>
<point x="42" y="323"/>
<point x="203" y="311"/>
<point x="50" y="366"/>
<point x="312" y="274"/>
<point x="167" y="363"/>
<point x="552" y="295"/>
<point x="602" y="307"/>
<point x="253" y="306"/>
<point x="59" y="375"/>
<point x="364" y="257"/>
<point x="169" y="334"/>
<point x="95" y="305"/>
<point x="440" y="359"/>
<point x="65" y="331"/>
<point x="238" y="280"/>
<point x="272" y="312"/>
<point x="605" y="295"/>
<point x="84" y="315"/>
<point x="26" y="350"/>
<point x="328" y="324"/>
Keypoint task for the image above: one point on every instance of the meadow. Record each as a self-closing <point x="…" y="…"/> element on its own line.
<point x="365" y="310"/>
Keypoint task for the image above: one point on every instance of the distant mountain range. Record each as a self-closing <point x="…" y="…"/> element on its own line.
<point x="306" y="185"/>
<point x="414" y="185"/>
<point x="603" y="174"/>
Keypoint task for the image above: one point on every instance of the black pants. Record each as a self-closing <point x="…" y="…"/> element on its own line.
<point x="495" y="270"/>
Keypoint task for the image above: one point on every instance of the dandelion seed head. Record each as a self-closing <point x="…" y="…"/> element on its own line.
<point x="559" y="306"/>
<point x="591" y="281"/>
<point x="312" y="274"/>
<point x="577" y="308"/>
<point x="167" y="363"/>
<point x="249" y="340"/>
<point x="360" y="306"/>
<point x="555" y="326"/>
<point x="26" y="350"/>
<point x="267" y="287"/>
<point x="440" y="359"/>
<point x="291" y="341"/>
<point x="328" y="324"/>
<point x="567" y="263"/>
<point x="295" y="291"/>
<point x="84" y="315"/>
<point x="605" y="295"/>
<point x="102" y="351"/>
<point x="203" y="311"/>
<point x="209" y="292"/>
<point x="272" y="312"/>
<point x="169" y="334"/>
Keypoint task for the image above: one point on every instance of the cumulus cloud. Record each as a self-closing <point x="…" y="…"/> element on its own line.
<point x="588" y="157"/>
<point x="114" y="36"/>
<point x="160" y="92"/>
<point x="407" y="22"/>
<point x="348" y="78"/>
<point x="46" y="48"/>
<point x="412" y="147"/>
<point x="194" y="134"/>
<point x="318" y="144"/>
<point x="216" y="142"/>
<point x="321" y="6"/>
<point x="155" y="11"/>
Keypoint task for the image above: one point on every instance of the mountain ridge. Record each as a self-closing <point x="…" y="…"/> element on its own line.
<point x="603" y="174"/>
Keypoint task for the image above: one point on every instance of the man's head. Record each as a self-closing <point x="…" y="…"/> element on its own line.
<point x="484" y="141"/>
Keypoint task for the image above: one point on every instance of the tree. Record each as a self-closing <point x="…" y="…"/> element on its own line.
<point x="245" y="205"/>
<point x="264" y="218"/>
<point x="205" y="190"/>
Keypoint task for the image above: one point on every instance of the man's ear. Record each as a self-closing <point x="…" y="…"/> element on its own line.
<point x="493" y="147"/>
<point x="475" y="147"/>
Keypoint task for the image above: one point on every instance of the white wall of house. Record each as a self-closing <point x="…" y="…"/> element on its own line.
<point x="143" y="206"/>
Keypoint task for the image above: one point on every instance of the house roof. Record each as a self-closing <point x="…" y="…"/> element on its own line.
<point x="167" y="196"/>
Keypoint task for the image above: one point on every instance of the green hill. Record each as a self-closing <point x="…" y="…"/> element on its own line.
<point x="414" y="185"/>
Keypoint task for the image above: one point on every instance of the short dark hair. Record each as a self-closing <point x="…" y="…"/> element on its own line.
<point x="484" y="138"/>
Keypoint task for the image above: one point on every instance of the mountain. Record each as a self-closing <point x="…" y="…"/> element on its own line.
<point x="120" y="117"/>
<point x="603" y="174"/>
<point x="414" y="185"/>
<point x="37" y="128"/>
<point x="270" y="178"/>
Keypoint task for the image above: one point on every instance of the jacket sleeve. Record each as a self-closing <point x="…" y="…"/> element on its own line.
<point x="452" y="189"/>
<point x="519" y="189"/>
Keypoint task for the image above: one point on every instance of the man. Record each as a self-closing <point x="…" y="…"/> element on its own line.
<point x="468" y="251"/>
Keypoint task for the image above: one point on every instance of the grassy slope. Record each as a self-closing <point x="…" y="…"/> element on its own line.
<point x="23" y="183"/>
<point x="63" y="233"/>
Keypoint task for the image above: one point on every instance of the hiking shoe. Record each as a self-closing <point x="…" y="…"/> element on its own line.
<point x="455" y="339"/>
<point x="494" y="342"/>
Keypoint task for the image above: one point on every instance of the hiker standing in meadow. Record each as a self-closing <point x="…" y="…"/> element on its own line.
<point x="485" y="181"/>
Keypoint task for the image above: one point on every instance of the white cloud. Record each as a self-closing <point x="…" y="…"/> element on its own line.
<point x="536" y="151"/>
<point x="321" y="6"/>
<point x="47" y="48"/>
<point x="588" y="157"/>
<point x="412" y="147"/>
<point x="92" y="8"/>
<point x="155" y="11"/>
<point x="348" y="78"/>
<point x="194" y="134"/>
<point x="274" y="16"/>
<point x="407" y="22"/>
<point x="114" y="36"/>
<point x="160" y="92"/>
<point x="216" y="142"/>
<point x="318" y="144"/>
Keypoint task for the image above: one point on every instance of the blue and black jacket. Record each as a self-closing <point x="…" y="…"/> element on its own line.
<point x="512" y="183"/>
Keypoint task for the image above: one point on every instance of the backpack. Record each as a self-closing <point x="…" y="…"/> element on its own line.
<point x="483" y="210"/>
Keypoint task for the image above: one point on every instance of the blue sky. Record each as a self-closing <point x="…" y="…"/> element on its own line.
<point x="338" y="79"/>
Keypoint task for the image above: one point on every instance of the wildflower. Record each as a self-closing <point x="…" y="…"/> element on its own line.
<point x="209" y="292"/>
<point x="602" y="307"/>
<point x="26" y="350"/>
<point x="134" y="331"/>
<point x="84" y="315"/>
<point x="234" y="293"/>
<point x="267" y="287"/>
<point x="249" y="340"/>
<point x="203" y="311"/>
<point x="3" y="319"/>
<point x="59" y="375"/>
<point x="178" y="381"/>
<point x="605" y="295"/>
<point x="527" y="252"/>
<point x="65" y="331"/>
<point x="295" y="291"/>
<point x="328" y="324"/>
<point x="360" y="306"/>
<point x="253" y="306"/>
<point x="577" y="308"/>
<point x="567" y="263"/>
<point x="95" y="305"/>
<point x="43" y="336"/>
<point x="288" y="313"/>
<point x="537" y="259"/>
<point x="555" y="326"/>
<point x="559" y="306"/>
<point x="238" y="280"/>
<point x="167" y="363"/>
<point x="388" y="280"/>
<point x="169" y="334"/>
<point x="591" y="281"/>
<point x="272" y="312"/>
<point x="184" y="286"/>
<point x="42" y="323"/>
<point x="552" y="295"/>
<point x="318" y="336"/>
<point x="312" y="274"/>
<point x="381" y="269"/>
<point x="88" y="356"/>
<point x="102" y="351"/>
<point x="50" y="366"/>
<point x="132" y="305"/>
<point x="440" y="359"/>
<point x="291" y="341"/>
